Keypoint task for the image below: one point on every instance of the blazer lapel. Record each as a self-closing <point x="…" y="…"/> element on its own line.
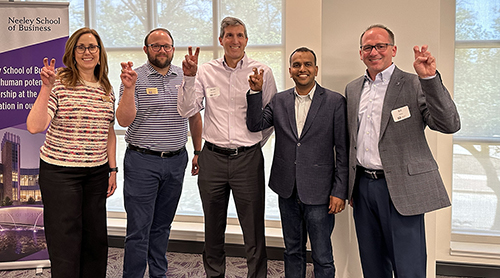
<point x="290" y="111"/>
<point x="391" y="95"/>
<point x="316" y="103"/>
<point x="354" y="97"/>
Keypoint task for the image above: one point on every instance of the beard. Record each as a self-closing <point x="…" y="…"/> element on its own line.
<point x="153" y="59"/>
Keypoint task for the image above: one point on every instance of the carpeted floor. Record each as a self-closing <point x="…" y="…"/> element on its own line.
<point x="181" y="265"/>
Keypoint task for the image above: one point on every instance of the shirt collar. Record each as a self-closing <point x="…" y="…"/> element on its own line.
<point x="384" y="76"/>
<point x="310" y="94"/>
<point x="239" y="65"/>
<point x="152" y="70"/>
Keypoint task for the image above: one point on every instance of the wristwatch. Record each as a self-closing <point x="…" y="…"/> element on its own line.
<point x="197" y="152"/>
<point x="113" y="169"/>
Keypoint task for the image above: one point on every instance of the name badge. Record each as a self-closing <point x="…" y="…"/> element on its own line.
<point x="213" y="92"/>
<point x="152" y="91"/>
<point x="400" y="114"/>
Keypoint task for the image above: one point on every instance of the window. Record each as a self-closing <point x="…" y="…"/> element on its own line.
<point x="476" y="147"/>
<point x="123" y="24"/>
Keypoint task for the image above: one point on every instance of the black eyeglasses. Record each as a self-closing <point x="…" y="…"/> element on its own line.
<point x="80" y="49"/>
<point x="158" y="47"/>
<point x="380" y="47"/>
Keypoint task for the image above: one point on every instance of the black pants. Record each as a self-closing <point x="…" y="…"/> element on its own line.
<point x="388" y="241"/>
<point x="243" y="174"/>
<point x="74" y="200"/>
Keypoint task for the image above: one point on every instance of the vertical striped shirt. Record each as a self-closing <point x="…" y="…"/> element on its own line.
<point x="157" y="125"/>
<point x="78" y="133"/>
<point x="224" y="89"/>
<point x="370" y="117"/>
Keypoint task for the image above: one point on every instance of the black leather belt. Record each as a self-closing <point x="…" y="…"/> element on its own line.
<point x="160" y="154"/>
<point x="372" y="174"/>
<point x="228" y="151"/>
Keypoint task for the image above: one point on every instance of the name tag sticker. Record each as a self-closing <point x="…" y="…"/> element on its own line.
<point x="213" y="92"/>
<point x="400" y="114"/>
<point x="152" y="91"/>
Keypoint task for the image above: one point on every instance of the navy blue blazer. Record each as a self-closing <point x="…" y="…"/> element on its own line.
<point x="317" y="162"/>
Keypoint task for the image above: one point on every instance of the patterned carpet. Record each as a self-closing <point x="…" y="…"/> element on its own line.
<point x="180" y="266"/>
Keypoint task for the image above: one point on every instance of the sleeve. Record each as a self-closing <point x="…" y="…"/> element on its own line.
<point x="190" y="95"/>
<point x="258" y="118"/>
<point x="53" y="101"/>
<point x="268" y="91"/>
<point x="341" y="181"/>
<point x="436" y="106"/>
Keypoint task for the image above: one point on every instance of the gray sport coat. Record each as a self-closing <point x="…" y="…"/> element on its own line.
<point x="317" y="161"/>
<point x="412" y="174"/>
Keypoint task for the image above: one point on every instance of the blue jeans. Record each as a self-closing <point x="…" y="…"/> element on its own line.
<point x="298" y="220"/>
<point x="152" y="189"/>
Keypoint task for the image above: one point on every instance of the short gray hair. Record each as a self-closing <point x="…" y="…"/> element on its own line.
<point x="231" y="21"/>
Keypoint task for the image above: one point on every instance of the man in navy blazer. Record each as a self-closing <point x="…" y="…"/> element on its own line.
<point x="393" y="177"/>
<point x="309" y="170"/>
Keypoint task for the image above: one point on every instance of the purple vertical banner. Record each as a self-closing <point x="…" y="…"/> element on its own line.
<point x="30" y="32"/>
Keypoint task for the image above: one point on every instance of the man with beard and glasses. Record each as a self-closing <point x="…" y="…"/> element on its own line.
<point x="156" y="157"/>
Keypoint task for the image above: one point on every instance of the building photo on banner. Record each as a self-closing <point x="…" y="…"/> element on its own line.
<point x="30" y="32"/>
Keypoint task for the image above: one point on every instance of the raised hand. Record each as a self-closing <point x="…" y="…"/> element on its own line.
<point x="190" y="63"/>
<point x="48" y="72"/>
<point x="425" y="63"/>
<point x="256" y="80"/>
<point x="128" y="75"/>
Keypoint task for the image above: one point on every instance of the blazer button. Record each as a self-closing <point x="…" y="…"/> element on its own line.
<point x="298" y="144"/>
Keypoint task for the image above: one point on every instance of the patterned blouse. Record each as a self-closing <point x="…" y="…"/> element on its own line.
<point x="78" y="133"/>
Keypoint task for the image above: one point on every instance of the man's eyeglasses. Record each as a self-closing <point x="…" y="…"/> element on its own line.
<point x="80" y="49"/>
<point x="380" y="47"/>
<point x="158" y="47"/>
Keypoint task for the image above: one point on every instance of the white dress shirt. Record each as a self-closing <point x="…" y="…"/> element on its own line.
<point x="302" y="105"/>
<point x="369" y="118"/>
<point x="224" y="91"/>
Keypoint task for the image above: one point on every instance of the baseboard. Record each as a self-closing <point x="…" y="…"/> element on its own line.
<point x="469" y="270"/>
<point x="196" y="247"/>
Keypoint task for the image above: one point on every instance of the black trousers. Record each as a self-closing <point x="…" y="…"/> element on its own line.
<point x="243" y="174"/>
<point x="74" y="200"/>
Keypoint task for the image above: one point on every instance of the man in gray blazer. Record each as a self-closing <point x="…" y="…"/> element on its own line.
<point x="393" y="177"/>
<point x="309" y="171"/>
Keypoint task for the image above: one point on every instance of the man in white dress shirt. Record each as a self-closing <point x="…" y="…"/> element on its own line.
<point x="231" y="159"/>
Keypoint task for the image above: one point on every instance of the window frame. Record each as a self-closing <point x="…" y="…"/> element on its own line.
<point x="90" y="19"/>
<point x="464" y="242"/>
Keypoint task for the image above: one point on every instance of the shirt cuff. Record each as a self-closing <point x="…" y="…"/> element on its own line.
<point x="430" y="77"/>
